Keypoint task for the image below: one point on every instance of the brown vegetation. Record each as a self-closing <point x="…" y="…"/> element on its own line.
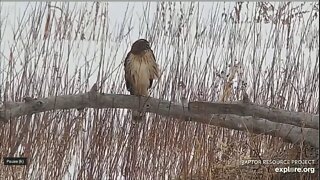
<point x="65" y="48"/>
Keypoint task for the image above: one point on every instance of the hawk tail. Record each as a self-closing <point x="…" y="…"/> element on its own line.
<point x="137" y="116"/>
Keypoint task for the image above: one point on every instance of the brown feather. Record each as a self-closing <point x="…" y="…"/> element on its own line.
<point x="140" y="70"/>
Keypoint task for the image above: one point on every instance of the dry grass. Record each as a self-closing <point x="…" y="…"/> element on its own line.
<point x="66" y="48"/>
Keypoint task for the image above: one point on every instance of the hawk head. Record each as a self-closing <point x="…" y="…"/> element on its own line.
<point x="139" y="46"/>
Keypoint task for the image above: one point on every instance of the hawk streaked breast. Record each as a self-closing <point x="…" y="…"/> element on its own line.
<point x="140" y="70"/>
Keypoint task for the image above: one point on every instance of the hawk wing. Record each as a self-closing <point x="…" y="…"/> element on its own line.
<point x="127" y="74"/>
<point x="154" y="58"/>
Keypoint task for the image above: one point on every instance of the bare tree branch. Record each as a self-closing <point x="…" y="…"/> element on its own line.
<point x="93" y="99"/>
<point x="300" y="119"/>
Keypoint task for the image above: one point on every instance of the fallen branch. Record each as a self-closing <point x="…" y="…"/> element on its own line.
<point x="93" y="99"/>
<point x="300" y="119"/>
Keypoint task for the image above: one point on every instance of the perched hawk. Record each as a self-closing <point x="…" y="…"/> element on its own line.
<point x="140" y="70"/>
